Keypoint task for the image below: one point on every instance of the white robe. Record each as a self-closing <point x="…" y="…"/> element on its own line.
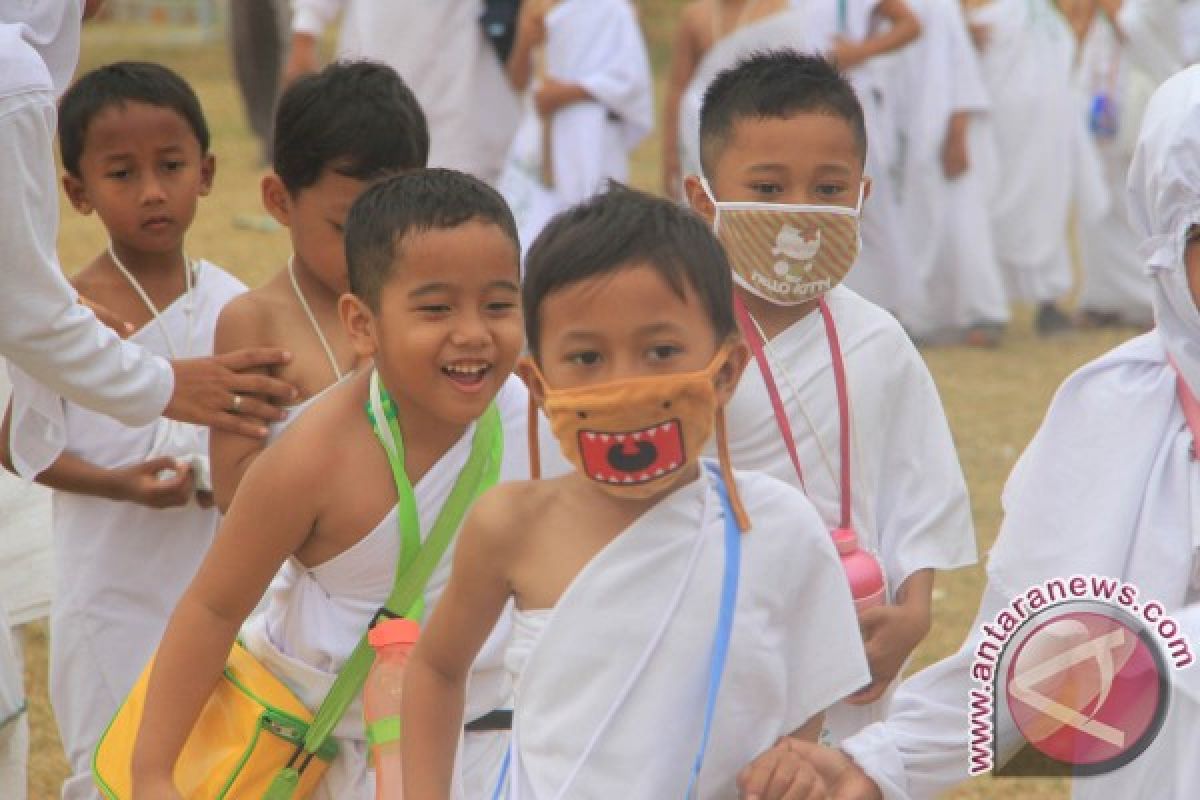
<point x="787" y="28"/>
<point x="121" y="567"/>
<point x="876" y="274"/>
<point x="1114" y="280"/>
<point x="952" y="264"/>
<point x="1046" y="159"/>
<point x="1108" y="486"/>
<point x="440" y="51"/>
<point x="910" y="504"/>
<point x="598" y="45"/>
<point x="784" y="665"/>
<point x="312" y="618"/>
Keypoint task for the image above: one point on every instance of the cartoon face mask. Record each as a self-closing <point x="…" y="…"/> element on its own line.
<point x="788" y="254"/>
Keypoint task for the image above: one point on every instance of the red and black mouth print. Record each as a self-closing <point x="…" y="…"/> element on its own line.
<point x="633" y="457"/>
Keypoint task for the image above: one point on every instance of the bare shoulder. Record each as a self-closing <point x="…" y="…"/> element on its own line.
<point x="501" y="519"/>
<point x="695" y="21"/>
<point x="245" y="321"/>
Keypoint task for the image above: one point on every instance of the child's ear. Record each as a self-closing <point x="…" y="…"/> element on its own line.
<point x="76" y="194"/>
<point x="729" y="373"/>
<point x="276" y="199"/>
<point x="359" y="322"/>
<point x="528" y="372"/>
<point x="208" y="171"/>
<point x="698" y="198"/>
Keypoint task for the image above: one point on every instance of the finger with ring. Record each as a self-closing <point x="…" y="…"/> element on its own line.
<point x="237" y="403"/>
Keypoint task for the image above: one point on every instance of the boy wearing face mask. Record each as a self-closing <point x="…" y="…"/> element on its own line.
<point x="845" y="409"/>
<point x="654" y="591"/>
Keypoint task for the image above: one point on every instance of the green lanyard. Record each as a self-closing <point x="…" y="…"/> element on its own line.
<point x="487" y="446"/>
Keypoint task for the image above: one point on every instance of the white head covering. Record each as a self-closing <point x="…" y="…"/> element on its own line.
<point x="39" y="44"/>
<point x="1164" y="202"/>
<point x="1108" y="485"/>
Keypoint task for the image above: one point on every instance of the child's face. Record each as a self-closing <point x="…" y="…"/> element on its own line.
<point x="449" y="326"/>
<point x="626" y="324"/>
<point x="315" y="218"/>
<point x="807" y="158"/>
<point x="142" y="171"/>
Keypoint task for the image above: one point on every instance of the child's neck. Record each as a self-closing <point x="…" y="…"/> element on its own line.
<point x="427" y="438"/>
<point x="147" y="267"/>
<point x="772" y="318"/>
<point x="320" y="298"/>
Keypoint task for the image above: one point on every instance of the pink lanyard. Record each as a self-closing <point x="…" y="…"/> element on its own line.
<point x="781" y="418"/>
<point x="1191" y="409"/>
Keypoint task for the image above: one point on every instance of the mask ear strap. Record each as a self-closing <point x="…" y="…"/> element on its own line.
<point x="535" y="453"/>
<point x="735" y="497"/>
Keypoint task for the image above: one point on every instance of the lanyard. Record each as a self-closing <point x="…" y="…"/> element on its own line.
<point x="717" y="656"/>
<point x="757" y="343"/>
<point x="486" y="446"/>
<point x="1191" y="408"/>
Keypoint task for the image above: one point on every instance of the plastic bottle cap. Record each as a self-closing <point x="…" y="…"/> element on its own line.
<point x="845" y="540"/>
<point x="393" y="631"/>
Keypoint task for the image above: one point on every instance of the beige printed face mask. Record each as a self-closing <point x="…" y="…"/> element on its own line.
<point x="788" y="254"/>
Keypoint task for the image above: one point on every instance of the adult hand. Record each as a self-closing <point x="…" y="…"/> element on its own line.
<point x="107" y="317"/>
<point x="158" y="483"/>
<point x="302" y="58"/>
<point x="222" y="393"/>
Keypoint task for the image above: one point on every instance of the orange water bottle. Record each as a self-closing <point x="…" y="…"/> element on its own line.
<point x="393" y="640"/>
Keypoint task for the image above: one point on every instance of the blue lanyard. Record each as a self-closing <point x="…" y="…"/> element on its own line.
<point x="720" y="647"/>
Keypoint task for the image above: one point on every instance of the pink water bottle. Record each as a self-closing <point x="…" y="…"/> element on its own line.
<point x="862" y="570"/>
<point x="393" y="640"/>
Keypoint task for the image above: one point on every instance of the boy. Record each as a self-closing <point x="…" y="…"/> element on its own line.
<point x="783" y="128"/>
<point x="334" y="132"/>
<point x="945" y="172"/>
<point x="132" y="511"/>
<point x="1108" y="486"/>
<point x="616" y="567"/>
<point x="432" y="259"/>
<point x="591" y="106"/>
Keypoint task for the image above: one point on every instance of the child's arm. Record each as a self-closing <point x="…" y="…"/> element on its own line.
<point x="905" y="27"/>
<point x="684" y="58"/>
<point x="955" y="158"/>
<point x="551" y="95"/>
<point x="259" y="532"/>
<point x="138" y="483"/>
<point x="531" y="31"/>
<point x="892" y="632"/>
<point x="436" y="674"/>
<point x="231" y="454"/>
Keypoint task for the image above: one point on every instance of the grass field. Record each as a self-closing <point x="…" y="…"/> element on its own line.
<point x="994" y="399"/>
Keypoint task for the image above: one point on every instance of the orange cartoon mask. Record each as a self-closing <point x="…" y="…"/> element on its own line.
<point x="635" y="437"/>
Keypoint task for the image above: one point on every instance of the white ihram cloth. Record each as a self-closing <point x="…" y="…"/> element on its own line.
<point x="42" y="329"/>
<point x="1114" y="280"/>
<point x="26" y="583"/>
<point x="441" y="53"/>
<point x="783" y="29"/>
<point x="910" y="504"/>
<point x="598" y="45"/>
<point x="953" y="262"/>
<point x="784" y="665"/>
<point x="121" y="567"/>
<point x="312" y="618"/>
<point x="1108" y="486"/>
<point x="878" y="274"/>
<point x="1047" y="161"/>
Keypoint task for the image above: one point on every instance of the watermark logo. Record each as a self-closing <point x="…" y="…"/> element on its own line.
<point x="1082" y="669"/>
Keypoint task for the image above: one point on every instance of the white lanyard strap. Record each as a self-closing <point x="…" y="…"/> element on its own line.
<point x="312" y="320"/>
<point x="137" y="287"/>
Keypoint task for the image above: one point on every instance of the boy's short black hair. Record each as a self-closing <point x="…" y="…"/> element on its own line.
<point x="412" y="202"/>
<point x="622" y="228"/>
<point x="357" y="118"/>
<point x="774" y="85"/>
<point x="115" y="85"/>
